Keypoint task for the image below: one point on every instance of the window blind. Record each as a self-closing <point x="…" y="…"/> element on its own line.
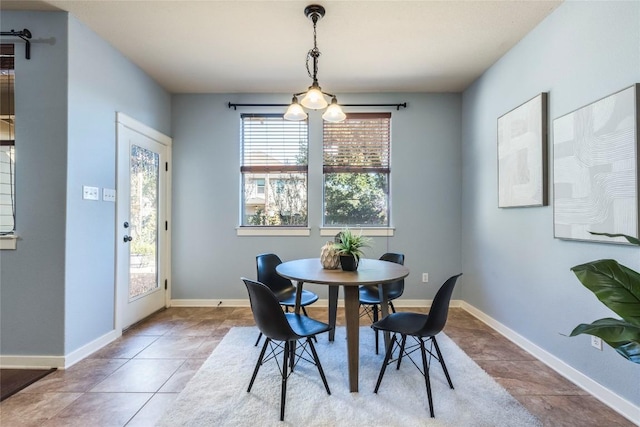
<point x="272" y="144"/>
<point x="360" y="143"/>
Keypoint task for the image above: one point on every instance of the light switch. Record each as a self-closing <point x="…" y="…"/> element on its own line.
<point x="90" y="193"/>
<point x="108" y="194"/>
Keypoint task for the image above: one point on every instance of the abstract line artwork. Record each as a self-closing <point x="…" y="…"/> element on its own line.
<point x="595" y="169"/>
<point x="522" y="155"/>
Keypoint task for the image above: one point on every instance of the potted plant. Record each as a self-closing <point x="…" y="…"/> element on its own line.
<point x="349" y="247"/>
<point x="617" y="287"/>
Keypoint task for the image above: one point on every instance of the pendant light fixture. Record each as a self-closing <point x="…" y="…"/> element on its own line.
<point x="314" y="97"/>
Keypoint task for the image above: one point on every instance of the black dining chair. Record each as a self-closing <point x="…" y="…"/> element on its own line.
<point x="370" y="295"/>
<point x="284" y="290"/>
<point x="288" y="334"/>
<point x="423" y="328"/>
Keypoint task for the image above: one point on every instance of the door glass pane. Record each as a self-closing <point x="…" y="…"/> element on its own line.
<point x="143" y="273"/>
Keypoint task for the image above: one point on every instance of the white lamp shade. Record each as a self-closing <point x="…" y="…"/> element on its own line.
<point x="334" y="113"/>
<point x="295" y="113"/>
<point x="314" y="100"/>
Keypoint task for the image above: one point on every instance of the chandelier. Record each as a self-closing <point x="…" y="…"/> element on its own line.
<point x="314" y="97"/>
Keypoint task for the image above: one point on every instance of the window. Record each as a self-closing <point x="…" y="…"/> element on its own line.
<point x="274" y="171"/>
<point x="356" y="170"/>
<point x="7" y="140"/>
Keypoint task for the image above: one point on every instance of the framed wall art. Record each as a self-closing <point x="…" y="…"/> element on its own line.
<point x="595" y="169"/>
<point x="522" y="155"/>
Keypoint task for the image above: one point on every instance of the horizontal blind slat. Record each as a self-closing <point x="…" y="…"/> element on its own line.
<point x="359" y="143"/>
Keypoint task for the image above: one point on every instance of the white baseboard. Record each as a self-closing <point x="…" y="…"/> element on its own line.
<point x="606" y="396"/>
<point x="31" y="362"/>
<point x="95" y="345"/>
<point x="59" y="362"/>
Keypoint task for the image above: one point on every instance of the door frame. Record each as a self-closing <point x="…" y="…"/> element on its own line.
<point x="136" y="126"/>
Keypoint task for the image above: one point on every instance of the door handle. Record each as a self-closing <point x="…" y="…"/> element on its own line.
<point x="127" y="239"/>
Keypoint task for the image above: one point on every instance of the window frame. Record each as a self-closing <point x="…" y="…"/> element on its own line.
<point x="254" y="163"/>
<point x="382" y="157"/>
<point x="7" y="66"/>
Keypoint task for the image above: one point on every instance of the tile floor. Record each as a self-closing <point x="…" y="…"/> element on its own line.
<point x="133" y="380"/>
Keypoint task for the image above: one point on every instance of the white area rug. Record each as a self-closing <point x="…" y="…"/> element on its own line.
<point x="217" y="394"/>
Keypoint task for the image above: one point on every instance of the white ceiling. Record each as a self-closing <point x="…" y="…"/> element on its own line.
<point x="260" y="46"/>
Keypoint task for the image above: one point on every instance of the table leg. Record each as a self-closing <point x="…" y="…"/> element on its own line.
<point x="352" y="314"/>
<point x="298" y="297"/>
<point x="384" y="312"/>
<point x="333" y="310"/>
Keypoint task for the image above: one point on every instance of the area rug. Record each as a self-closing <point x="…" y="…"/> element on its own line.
<point x="217" y="394"/>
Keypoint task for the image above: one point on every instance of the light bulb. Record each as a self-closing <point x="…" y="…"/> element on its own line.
<point x="334" y="113"/>
<point x="314" y="99"/>
<point x="295" y="111"/>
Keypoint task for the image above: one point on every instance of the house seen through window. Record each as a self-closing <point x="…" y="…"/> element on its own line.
<point x="274" y="171"/>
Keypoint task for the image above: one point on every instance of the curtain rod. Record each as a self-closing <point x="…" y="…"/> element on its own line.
<point x="24" y="35"/>
<point x="403" y="105"/>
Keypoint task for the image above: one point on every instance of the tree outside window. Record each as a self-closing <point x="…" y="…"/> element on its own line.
<point x="356" y="157"/>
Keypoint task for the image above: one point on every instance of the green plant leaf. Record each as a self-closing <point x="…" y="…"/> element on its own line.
<point x="615" y="285"/>
<point x="618" y="334"/>
<point x="630" y="239"/>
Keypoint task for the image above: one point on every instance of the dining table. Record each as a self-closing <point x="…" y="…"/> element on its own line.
<point x="369" y="272"/>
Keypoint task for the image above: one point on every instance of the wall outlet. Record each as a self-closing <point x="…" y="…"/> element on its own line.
<point x="425" y="277"/>
<point x="90" y="193"/>
<point x="596" y="342"/>
<point x="108" y="194"/>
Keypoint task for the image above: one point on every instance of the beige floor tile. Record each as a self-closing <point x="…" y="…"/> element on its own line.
<point x="529" y="378"/>
<point x="572" y="411"/>
<point x="153" y="410"/>
<point x="81" y="377"/>
<point x="181" y="377"/>
<point x="100" y="410"/>
<point x="124" y="348"/>
<point x="32" y="409"/>
<point x="139" y="376"/>
<point x="171" y="347"/>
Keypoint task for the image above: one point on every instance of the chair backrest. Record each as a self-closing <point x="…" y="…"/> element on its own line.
<point x="267" y="312"/>
<point x="439" y="308"/>
<point x="266" y="265"/>
<point x="395" y="288"/>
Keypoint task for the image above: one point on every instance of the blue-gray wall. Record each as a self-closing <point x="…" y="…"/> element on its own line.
<point x="515" y="271"/>
<point x="57" y="288"/>
<point x="32" y="284"/>
<point x="208" y="257"/>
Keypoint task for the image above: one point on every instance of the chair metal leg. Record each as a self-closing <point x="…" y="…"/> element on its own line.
<point x="319" y="366"/>
<point x="425" y="366"/>
<point x="444" y="366"/>
<point x="387" y="356"/>
<point x="285" y="374"/>
<point x="255" y="371"/>
<point x="292" y="355"/>
<point x="375" y="319"/>
<point x="402" y="344"/>
<point x="258" y="340"/>
<point x="393" y="309"/>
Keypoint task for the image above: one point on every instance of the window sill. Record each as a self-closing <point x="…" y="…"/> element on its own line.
<point x="9" y="242"/>
<point x="273" y="231"/>
<point x="366" y="231"/>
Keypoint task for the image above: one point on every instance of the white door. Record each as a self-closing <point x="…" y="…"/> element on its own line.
<point x="142" y="247"/>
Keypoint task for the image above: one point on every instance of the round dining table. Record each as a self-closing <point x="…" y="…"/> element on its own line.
<point x="369" y="272"/>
